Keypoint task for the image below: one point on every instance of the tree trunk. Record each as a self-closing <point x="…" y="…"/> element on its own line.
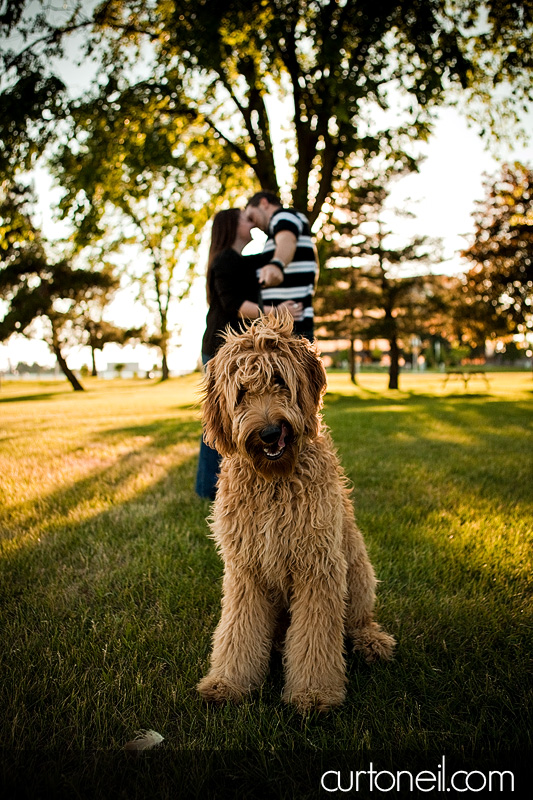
<point x="76" y="385"/>
<point x="163" y="316"/>
<point x="394" y="369"/>
<point x="165" y="373"/>
<point x="352" y="361"/>
<point x="93" y="354"/>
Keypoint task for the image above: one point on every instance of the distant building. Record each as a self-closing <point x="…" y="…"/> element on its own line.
<point x="121" y="369"/>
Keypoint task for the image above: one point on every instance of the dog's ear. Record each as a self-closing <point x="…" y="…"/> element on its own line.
<point x="313" y="387"/>
<point x="215" y="418"/>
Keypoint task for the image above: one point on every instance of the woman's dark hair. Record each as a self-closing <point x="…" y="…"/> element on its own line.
<point x="223" y="234"/>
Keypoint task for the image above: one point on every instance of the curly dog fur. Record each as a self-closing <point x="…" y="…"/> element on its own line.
<point x="283" y="523"/>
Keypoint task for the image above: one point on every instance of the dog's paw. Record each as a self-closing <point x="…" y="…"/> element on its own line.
<point x="219" y="690"/>
<point x="314" y="700"/>
<point x="374" y="643"/>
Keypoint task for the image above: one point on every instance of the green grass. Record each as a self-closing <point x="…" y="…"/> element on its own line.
<point x="110" y="588"/>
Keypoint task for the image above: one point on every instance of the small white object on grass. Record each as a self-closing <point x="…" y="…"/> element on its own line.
<point x="144" y="740"/>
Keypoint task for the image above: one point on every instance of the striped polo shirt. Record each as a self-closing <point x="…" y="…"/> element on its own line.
<point x="301" y="273"/>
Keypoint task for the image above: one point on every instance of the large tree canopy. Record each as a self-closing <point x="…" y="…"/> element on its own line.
<point x="374" y="287"/>
<point x="181" y="103"/>
<point x="344" y="69"/>
<point x="498" y="288"/>
<point x="35" y="287"/>
<point x="129" y="165"/>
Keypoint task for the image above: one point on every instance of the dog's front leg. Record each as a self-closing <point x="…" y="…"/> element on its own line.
<point x="242" y="640"/>
<point x="314" y="657"/>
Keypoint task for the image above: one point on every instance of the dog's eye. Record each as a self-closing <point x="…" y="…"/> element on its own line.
<point x="278" y="381"/>
<point x="240" y="395"/>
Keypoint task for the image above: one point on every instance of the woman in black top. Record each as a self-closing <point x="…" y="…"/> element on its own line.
<point x="231" y="281"/>
<point x="232" y="295"/>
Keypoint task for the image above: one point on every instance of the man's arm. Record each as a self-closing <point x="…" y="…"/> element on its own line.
<point x="271" y="275"/>
<point x="285" y="246"/>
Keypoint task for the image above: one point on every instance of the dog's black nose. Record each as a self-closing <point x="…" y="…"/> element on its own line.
<point x="270" y="434"/>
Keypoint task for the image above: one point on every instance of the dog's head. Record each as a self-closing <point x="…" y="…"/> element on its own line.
<point x="263" y="394"/>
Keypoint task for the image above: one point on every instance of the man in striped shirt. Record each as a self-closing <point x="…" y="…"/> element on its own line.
<point x="292" y="272"/>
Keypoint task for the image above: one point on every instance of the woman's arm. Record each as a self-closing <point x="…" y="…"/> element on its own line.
<point x="249" y="310"/>
<point x="227" y="284"/>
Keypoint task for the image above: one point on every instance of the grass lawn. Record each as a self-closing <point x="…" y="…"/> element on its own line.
<point x="110" y="589"/>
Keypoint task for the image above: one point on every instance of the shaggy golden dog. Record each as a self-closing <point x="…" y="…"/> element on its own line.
<point x="283" y="523"/>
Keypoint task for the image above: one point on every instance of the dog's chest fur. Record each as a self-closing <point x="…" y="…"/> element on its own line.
<point x="282" y="528"/>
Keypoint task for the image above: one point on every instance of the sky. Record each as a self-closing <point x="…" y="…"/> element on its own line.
<point x="441" y="196"/>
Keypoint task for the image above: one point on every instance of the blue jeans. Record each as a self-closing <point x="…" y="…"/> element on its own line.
<point x="208" y="464"/>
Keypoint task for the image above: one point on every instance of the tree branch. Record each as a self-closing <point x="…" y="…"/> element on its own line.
<point x="329" y="162"/>
<point x="305" y="140"/>
<point x="55" y="35"/>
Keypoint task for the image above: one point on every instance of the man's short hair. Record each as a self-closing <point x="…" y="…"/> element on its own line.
<point x="270" y="197"/>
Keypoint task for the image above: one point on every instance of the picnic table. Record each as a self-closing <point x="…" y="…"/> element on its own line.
<point x="465" y="375"/>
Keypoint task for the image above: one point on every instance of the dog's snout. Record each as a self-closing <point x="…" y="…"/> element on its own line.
<point x="270" y="434"/>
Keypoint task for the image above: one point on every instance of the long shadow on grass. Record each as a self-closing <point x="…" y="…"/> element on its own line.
<point x="32" y="397"/>
<point x="457" y="441"/>
<point x="424" y="468"/>
<point x="108" y="620"/>
<point x="102" y="485"/>
<point x="126" y="596"/>
<point x="163" y="433"/>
